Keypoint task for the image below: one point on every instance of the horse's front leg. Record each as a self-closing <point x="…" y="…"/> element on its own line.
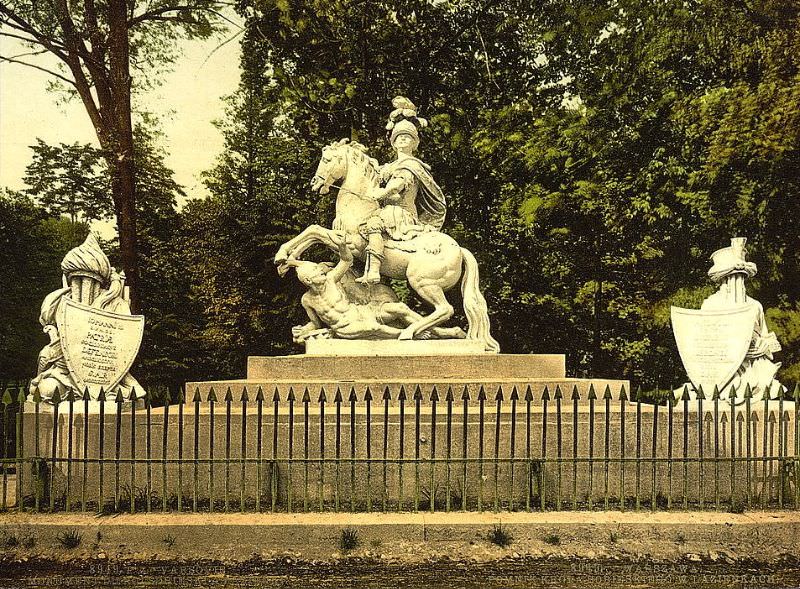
<point x="294" y="248"/>
<point x="287" y="248"/>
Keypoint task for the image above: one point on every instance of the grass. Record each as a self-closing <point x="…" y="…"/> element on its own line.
<point x="348" y="540"/>
<point x="12" y="541"/>
<point x="169" y="540"/>
<point x="70" y="539"/>
<point x="680" y="538"/>
<point x="613" y="537"/>
<point x="500" y="537"/>
<point x="552" y="539"/>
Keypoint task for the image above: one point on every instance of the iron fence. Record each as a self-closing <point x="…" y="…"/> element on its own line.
<point x="418" y="447"/>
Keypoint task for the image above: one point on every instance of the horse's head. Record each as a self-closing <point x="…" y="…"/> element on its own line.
<point x="335" y="165"/>
<point x="332" y="166"/>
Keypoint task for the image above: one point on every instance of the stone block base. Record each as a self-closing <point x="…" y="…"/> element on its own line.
<point x="489" y="367"/>
<point x="439" y="347"/>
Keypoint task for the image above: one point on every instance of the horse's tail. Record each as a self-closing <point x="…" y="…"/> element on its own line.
<point x="475" y="305"/>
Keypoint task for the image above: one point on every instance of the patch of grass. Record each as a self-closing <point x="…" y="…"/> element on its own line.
<point x="613" y="537"/>
<point x="11" y="541"/>
<point x="680" y="538"/>
<point x="169" y="540"/>
<point x="552" y="539"/>
<point x="348" y="540"/>
<point x="500" y="537"/>
<point x="29" y="542"/>
<point x="70" y="539"/>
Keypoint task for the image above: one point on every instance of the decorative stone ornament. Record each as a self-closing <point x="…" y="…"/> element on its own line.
<point x="727" y="344"/>
<point x="94" y="339"/>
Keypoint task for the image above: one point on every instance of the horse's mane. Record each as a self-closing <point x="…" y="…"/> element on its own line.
<point x="359" y="152"/>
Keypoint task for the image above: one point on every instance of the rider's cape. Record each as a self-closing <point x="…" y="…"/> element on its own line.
<point x="431" y="204"/>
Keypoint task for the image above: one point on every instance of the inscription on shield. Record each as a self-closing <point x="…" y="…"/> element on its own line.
<point x="99" y="346"/>
<point x="713" y="344"/>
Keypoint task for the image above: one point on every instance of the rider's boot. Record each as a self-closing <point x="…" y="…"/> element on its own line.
<point x="372" y="273"/>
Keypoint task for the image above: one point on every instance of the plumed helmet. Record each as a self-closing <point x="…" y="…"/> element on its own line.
<point x="404" y="119"/>
<point x="404" y="127"/>
<point x="87" y="260"/>
<point x="731" y="260"/>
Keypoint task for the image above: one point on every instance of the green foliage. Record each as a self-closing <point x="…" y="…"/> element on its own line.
<point x="593" y="155"/>
<point x="552" y="539"/>
<point x="69" y="539"/>
<point x="70" y="180"/>
<point x="673" y="139"/>
<point x="500" y="537"/>
<point x="32" y="245"/>
<point x="348" y="541"/>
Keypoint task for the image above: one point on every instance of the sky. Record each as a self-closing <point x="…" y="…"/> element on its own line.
<point x="187" y="101"/>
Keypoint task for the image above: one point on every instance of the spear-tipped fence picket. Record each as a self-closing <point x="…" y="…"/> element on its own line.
<point x="411" y="448"/>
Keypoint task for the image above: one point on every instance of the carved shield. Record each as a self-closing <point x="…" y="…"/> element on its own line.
<point x="713" y="344"/>
<point x="99" y="346"/>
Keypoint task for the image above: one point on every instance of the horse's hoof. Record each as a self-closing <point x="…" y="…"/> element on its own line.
<point x="406" y="334"/>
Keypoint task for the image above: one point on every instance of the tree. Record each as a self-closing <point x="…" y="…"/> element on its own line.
<point x="97" y="42"/>
<point x="679" y="132"/>
<point x="69" y="180"/>
<point x="593" y="153"/>
<point x="259" y="198"/>
<point x="32" y="244"/>
<point x="58" y="170"/>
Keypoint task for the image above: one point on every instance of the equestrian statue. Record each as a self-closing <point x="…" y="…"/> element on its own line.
<point x="390" y="217"/>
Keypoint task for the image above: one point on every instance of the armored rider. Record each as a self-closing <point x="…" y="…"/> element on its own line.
<point x="409" y="198"/>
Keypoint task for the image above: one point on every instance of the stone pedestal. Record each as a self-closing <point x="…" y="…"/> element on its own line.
<point x="439" y="347"/>
<point x="361" y="431"/>
<point x="385" y="363"/>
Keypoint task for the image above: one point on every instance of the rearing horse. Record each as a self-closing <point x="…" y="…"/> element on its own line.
<point x="432" y="262"/>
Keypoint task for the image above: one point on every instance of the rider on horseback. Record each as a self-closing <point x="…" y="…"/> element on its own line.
<point x="411" y="200"/>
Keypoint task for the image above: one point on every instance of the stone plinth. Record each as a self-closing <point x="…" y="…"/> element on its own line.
<point x="489" y="367"/>
<point x="440" y="347"/>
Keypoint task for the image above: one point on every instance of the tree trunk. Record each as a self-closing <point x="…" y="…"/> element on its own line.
<point x="123" y="167"/>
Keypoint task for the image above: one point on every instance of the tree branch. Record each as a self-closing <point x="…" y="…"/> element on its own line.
<point x="28" y="54"/>
<point x="221" y="45"/>
<point x="36" y="67"/>
<point x="159" y="14"/>
<point x="18" y="23"/>
<point x="472" y="22"/>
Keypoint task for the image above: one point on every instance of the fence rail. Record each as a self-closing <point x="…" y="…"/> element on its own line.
<point x="431" y="449"/>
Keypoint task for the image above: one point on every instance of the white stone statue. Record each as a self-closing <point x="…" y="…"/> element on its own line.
<point x="94" y="338"/>
<point x="334" y="311"/>
<point x="727" y="343"/>
<point x="392" y="216"/>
